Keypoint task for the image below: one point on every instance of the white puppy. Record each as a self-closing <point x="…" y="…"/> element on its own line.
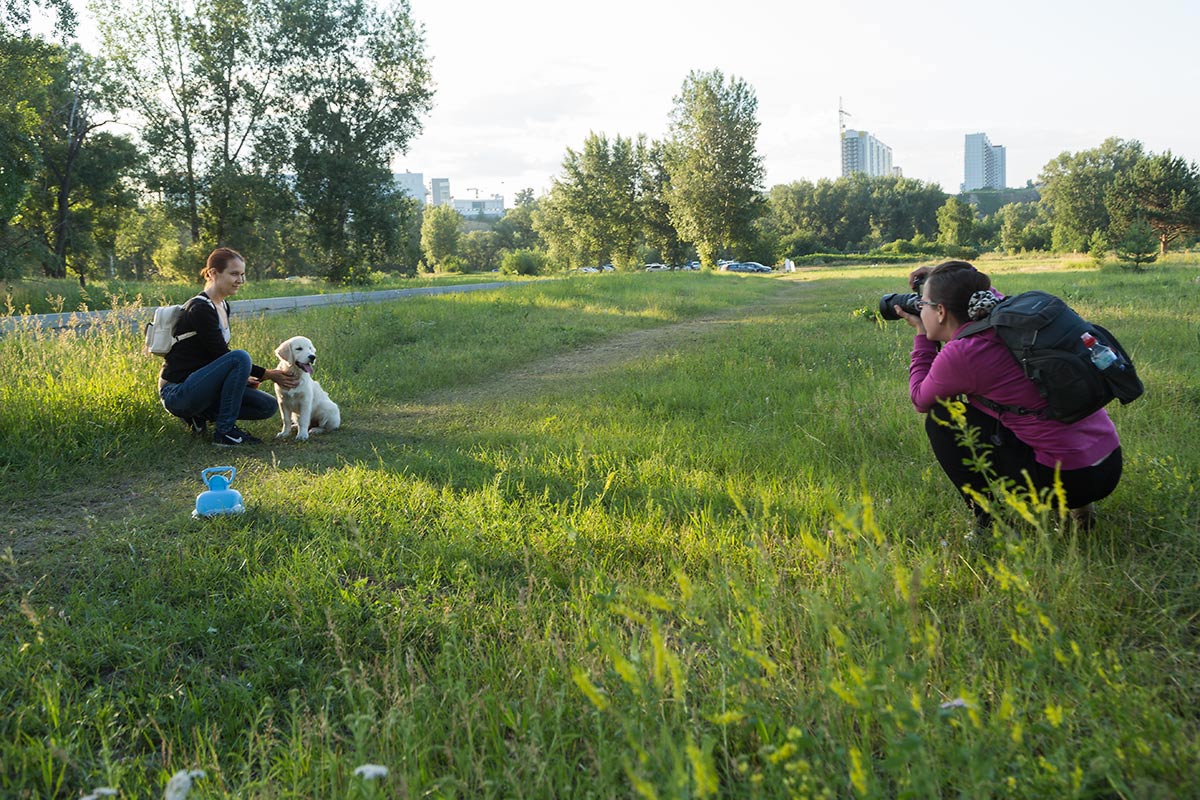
<point x="306" y="408"/>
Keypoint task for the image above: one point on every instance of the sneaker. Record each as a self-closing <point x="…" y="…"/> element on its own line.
<point x="197" y="425"/>
<point x="1084" y="517"/>
<point x="234" y="437"/>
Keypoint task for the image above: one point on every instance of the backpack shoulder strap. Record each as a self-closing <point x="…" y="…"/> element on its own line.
<point x="972" y="328"/>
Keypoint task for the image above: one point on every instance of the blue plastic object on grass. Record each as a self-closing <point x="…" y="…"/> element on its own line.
<point x="219" y="499"/>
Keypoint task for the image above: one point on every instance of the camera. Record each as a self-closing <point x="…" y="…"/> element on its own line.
<point x="906" y="300"/>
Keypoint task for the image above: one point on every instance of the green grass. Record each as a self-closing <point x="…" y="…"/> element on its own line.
<point x="724" y="565"/>
<point x="58" y="295"/>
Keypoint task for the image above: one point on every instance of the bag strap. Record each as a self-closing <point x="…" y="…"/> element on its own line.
<point x="190" y="334"/>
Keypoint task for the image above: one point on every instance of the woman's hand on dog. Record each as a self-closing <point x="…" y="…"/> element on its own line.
<point x="281" y="378"/>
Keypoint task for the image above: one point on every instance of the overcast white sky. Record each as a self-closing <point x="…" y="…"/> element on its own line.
<point x="519" y="82"/>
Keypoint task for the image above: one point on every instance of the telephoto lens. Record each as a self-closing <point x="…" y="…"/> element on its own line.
<point x="906" y="300"/>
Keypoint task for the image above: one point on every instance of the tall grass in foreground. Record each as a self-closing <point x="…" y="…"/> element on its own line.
<point x="727" y="568"/>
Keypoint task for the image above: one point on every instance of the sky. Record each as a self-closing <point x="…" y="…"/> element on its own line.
<point x="519" y="82"/>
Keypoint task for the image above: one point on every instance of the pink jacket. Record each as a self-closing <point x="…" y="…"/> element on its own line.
<point x="982" y="365"/>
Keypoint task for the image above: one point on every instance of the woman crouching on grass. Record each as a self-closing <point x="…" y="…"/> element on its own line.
<point x="202" y="379"/>
<point x="1086" y="453"/>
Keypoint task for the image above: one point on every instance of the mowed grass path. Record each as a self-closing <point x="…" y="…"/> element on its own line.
<point x="659" y="535"/>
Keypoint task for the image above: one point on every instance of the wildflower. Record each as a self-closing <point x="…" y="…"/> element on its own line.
<point x="369" y="772"/>
<point x="957" y="702"/>
<point x="100" y="791"/>
<point x="181" y="783"/>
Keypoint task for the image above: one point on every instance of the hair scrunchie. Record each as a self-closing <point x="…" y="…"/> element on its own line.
<point x="981" y="304"/>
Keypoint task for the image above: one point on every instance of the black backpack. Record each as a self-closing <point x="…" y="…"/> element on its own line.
<point x="1046" y="337"/>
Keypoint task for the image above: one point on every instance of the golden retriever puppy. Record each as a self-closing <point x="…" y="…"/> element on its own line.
<point x="305" y="408"/>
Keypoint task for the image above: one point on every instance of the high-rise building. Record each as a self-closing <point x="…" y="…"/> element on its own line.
<point x="983" y="164"/>
<point x="439" y="191"/>
<point x="411" y="183"/>
<point x="862" y="152"/>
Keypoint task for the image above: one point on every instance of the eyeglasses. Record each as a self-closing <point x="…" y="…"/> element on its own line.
<point x="921" y="304"/>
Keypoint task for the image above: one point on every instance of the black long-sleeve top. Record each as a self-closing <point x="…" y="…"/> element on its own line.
<point x="194" y="352"/>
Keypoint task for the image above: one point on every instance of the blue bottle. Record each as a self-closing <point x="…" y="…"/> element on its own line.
<point x="219" y="499"/>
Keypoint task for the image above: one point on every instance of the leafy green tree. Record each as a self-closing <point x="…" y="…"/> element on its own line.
<point x="80" y="97"/>
<point x="550" y="225"/>
<point x="659" y="232"/>
<point x="440" y="234"/>
<point x="1075" y="187"/>
<point x="515" y="229"/>
<point x="1022" y="228"/>
<point x="15" y="15"/>
<point x="481" y="250"/>
<point x="145" y="242"/>
<point x="1139" y="245"/>
<point x="360" y="83"/>
<point x="716" y="173"/>
<point x="1161" y="190"/>
<point x="598" y="195"/>
<point x="524" y="198"/>
<point x="1098" y="246"/>
<point x="955" y="222"/>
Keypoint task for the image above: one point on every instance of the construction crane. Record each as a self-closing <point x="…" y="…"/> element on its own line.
<point x="473" y="189"/>
<point x="842" y="114"/>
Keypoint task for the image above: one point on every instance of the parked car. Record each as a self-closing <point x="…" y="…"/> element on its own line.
<point x="656" y="267"/>
<point x="754" y="266"/>
<point x="608" y="268"/>
<point x="589" y="269"/>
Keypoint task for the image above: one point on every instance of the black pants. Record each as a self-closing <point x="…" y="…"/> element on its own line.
<point x="1009" y="456"/>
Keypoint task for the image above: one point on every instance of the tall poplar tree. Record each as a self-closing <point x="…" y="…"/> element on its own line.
<point x="715" y="171"/>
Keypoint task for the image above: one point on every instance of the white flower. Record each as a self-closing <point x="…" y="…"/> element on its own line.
<point x="212" y="630"/>
<point x="369" y="772"/>
<point x="957" y="702"/>
<point x="98" y="792"/>
<point x="181" y="783"/>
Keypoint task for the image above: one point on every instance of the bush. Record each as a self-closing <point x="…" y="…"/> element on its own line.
<point x="451" y="264"/>
<point x="522" y="262"/>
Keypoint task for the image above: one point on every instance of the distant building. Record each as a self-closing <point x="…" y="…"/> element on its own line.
<point x="439" y="191"/>
<point x="983" y="164"/>
<point x="488" y="207"/>
<point x="862" y="152"/>
<point x="411" y="183"/>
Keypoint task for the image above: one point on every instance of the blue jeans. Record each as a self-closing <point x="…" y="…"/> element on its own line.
<point x="219" y="392"/>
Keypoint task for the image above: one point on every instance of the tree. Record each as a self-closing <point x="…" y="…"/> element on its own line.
<point x="360" y="83"/>
<point x="1075" y="188"/>
<point x="1139" y="244"/>
<point x="515" y="229"/>
<point x="659" y="234"/>
<point x="80" y="94"/>
<point x="1022" y="228"/>
<point x="25" y="78"/>
<point x="955" y="221"/>
<point x="481" y="250"/>
<point x="1163" y="191"/>
<point x="148" y="42"/>
<point x="524" y="198"/>
<point x="440" y="234"/>
<point x="598" y="196"/>
<point x="715" y="173"/>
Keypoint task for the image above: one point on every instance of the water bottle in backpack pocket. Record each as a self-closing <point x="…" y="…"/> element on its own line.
<point x="1077" y="366"/>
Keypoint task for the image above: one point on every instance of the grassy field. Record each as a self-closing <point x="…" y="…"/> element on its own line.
<point x="656" y="535"/>
<point x="56" y="295"/>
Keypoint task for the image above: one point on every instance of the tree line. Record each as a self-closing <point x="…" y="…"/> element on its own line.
<point x="270" y="125"/>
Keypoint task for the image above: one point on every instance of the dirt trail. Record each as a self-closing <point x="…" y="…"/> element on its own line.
<point x="624" y="348"/>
